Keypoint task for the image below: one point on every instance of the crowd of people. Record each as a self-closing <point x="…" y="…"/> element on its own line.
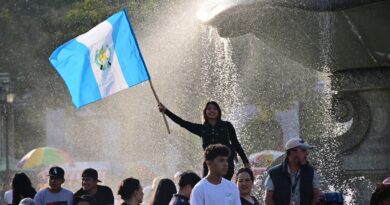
<point x="292" y="182"/>
<point x="192" y="189"/>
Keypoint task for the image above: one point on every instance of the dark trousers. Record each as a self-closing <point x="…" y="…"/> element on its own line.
<point x="229" y="173"/>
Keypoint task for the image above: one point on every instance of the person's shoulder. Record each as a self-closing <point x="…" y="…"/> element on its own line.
<point x="79" y="192"/>
<point x="179" y="200"/>
<point x="104" y="189"/>
<point x="229" y="183"/>
<point x="227" y="123"/>
<point x="43" y="191"/>
<point x="307" y="168"/>
<point x="202" y="182"/>
<point x="278" y="167"/>
<point x="40" y="193"/>
<point x="200" y="185"/>
<point x="66" y="191"/>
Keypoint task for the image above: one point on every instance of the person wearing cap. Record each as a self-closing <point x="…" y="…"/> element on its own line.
<point x="294" y="181"/>
<point x="102" y="194"/>
<point x="55" y="193"/>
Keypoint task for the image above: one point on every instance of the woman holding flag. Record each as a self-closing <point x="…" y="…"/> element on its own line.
<point x="213" y="131"/>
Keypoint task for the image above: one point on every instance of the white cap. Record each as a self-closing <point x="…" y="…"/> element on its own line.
<point x="297" y="142"/>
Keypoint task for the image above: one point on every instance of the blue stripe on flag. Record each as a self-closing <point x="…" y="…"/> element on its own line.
<point x="126" y="48"/>
<point x="72" y="62"/>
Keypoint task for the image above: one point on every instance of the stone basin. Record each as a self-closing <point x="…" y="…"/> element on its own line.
<point x="324" y="35"/>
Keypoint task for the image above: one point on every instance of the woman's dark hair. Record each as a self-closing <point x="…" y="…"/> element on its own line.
<point x="21" y="188"/>
<point x="164" y="192"/>
<point x="381" y="193"/>
<point x="128" y="187"/>
<point x="247" y="170"/>
<point x="216" y="105"/>
<point x="188" y="178"/>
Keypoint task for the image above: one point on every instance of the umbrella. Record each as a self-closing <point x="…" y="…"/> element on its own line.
<point x="258" y="170"/>
<point x="265" y="158"/>
<point x="44" y="156"/>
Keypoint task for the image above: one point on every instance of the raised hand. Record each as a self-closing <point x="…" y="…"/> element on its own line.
<point x="161" y="108"/>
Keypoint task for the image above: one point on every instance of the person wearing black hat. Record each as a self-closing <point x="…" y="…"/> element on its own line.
<point x="102" y="194"/>
<point x="55" y="193"/>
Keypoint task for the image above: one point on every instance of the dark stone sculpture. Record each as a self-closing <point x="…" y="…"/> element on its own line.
<point x="348" y="39"/>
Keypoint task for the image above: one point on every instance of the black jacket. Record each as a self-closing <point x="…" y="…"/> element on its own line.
<point x="223" y="132"/>
<point x="282" y="183"/>
<point x="103" y="195"/>
<point x="178" y="199"/>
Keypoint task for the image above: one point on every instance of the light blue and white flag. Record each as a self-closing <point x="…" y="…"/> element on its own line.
<point x="101" y="62"/>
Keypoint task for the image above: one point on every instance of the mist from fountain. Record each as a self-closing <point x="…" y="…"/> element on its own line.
<point x="190" y="64"/>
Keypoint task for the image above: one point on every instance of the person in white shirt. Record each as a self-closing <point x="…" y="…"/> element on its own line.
<point x="214" y="189"/>
<point x="54" y="194"/>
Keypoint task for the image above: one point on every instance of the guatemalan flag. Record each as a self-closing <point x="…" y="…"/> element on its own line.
<point x="101" y="62"/>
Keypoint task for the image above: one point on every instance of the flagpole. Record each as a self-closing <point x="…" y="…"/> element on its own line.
<point x="158" y="101"/>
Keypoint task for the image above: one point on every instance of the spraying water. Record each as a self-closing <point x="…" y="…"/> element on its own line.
<point x="190" y="63"/>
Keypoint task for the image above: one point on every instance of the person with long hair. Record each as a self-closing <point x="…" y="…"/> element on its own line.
<point x="381" y="195"/>
<point x="131" y="192"/>
<point x="21" y="188"/>
<point x="244" y="181"/>
<point x="213" y="131"/>
<point x="164" y="192"/>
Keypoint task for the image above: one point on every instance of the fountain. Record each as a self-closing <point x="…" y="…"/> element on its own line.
<point x="278" y="69"/>
<point x="347" y="40"/>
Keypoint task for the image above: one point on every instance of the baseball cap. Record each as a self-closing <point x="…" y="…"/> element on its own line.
<point x="297" y="142"/>
<point x="90" y="172"/>
<point x="56" y="172"/>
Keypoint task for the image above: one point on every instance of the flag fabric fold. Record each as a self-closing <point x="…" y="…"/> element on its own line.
<point x="101" y="62"/>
